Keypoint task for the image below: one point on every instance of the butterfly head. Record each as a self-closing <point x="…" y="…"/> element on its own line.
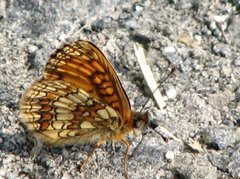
<point x="140" y="120"/>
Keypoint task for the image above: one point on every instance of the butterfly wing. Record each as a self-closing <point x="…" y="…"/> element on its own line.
<point x="84" y="66"/>
<point x="59" y="113"/>
<point x="79" y="98"/>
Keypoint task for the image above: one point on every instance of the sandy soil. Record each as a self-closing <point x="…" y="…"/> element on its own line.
<point x="201" y="39"/>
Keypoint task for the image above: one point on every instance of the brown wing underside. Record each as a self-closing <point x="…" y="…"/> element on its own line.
<point x="83" y="65"/>
<point x="59" y="114"/>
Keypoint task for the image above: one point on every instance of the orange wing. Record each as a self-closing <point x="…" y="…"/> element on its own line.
<point x="84" y="66"/>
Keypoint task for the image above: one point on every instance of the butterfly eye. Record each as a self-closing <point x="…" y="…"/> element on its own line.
<point x="140" y="120"/>
<point x="139" y="124"/>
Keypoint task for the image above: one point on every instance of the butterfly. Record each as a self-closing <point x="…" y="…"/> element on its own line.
<point x="79" y="99"/>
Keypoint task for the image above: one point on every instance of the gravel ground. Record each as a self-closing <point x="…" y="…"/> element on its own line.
<point x="201" y="39"/>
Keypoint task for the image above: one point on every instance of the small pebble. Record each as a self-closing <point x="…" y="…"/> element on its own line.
<point x="66" y="176"/>
<point x="221" y="19"/>
<point x="222" y="50"/>
<point x="32" y="48"/>
<point x="171" y="93"/>
<point x="169" y="49"/>
<point x="169" y="155"/>
<point x="237" y="61"/>
<point x="138" y="8"/>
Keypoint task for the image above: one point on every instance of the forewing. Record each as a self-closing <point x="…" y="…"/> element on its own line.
<point x="84" y="66"/>
<point x="59" y="114"/>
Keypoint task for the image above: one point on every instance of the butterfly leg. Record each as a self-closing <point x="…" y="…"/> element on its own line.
<point x="90" y="154"/>
<point x="38" y="145"/>
<point x="126" y="143"/>
<point x="135" y="149"/>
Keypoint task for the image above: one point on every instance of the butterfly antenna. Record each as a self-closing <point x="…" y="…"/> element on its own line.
<point x="170" y="74"/>
<point x="147" y="73"/>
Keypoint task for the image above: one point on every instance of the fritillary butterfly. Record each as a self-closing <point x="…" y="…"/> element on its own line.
<point x="79" y="99"/>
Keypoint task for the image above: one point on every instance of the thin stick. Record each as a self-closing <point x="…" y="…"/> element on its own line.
<point x="148" y="75"/>
<point x="168" y="133"/>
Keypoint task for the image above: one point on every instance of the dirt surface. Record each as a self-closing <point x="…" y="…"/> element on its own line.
<point x="201" y="39"/>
